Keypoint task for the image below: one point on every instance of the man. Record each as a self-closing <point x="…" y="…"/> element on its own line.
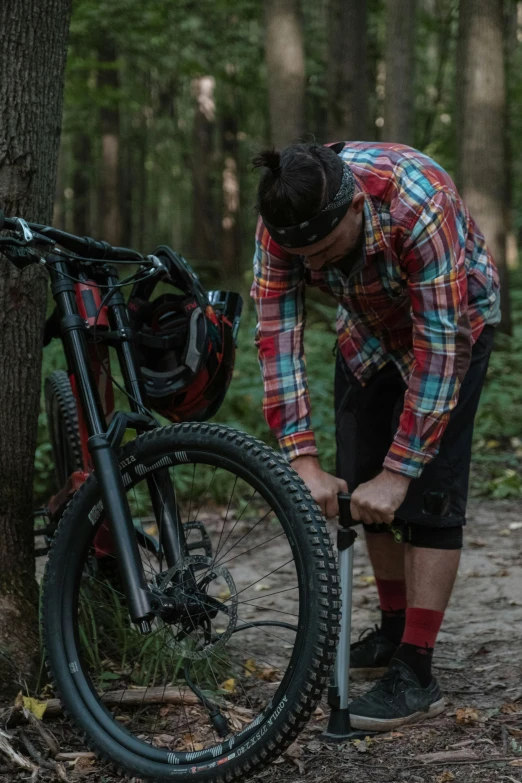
<point x="382" y="228"/>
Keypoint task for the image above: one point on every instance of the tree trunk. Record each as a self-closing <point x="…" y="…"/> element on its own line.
<point x="230" y="225"/>
<point x="81" y="184"/>
<point x="347" y="71"/>
<point x="400" y="68"/>
<point x="285" y="64"/>
<point x="33" y="37"/>
<point x="203" y="226"/>
<point x="109" y="198"/>
<point x="482" y="128"/>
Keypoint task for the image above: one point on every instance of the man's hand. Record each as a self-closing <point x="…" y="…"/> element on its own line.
<point x="323" y="486"/>
<point x="377" y="500"/>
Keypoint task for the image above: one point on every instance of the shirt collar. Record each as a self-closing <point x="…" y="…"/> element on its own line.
<point x="374" y="241"/>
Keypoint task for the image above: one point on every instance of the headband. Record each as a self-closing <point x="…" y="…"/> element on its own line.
<point x="316" y="228"/>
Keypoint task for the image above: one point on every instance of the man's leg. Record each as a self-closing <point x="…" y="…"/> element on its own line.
<point x="430" y="576"/>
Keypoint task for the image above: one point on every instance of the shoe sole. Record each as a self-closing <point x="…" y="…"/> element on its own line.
<point x="368" y="673"/>
<point x="380" y="724"/>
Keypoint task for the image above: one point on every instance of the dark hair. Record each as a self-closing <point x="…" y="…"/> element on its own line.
<point x="300" y="181"/>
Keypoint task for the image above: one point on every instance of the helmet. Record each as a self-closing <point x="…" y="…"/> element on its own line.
<point x="185" y="340"/>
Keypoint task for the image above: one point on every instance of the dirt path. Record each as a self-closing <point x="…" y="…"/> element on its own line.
<point x="478" y="663"/>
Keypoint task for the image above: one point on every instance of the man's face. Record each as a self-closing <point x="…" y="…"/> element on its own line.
<point x="340" y="243"/>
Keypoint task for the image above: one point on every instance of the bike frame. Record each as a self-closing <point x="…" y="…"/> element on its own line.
<point x="80" y="313"/>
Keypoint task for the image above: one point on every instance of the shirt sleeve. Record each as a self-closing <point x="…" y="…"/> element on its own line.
<point x="434" y="261"/>
<point x="278" y="293"/>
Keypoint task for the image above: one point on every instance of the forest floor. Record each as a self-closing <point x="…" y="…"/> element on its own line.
<point x="478" y="663"/>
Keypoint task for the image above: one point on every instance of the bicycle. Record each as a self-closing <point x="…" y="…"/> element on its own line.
<point x="145" y="656"/>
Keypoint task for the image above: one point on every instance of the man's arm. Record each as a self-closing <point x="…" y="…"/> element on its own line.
<point x="278" y="293"/>
<point x="434" y="260"/>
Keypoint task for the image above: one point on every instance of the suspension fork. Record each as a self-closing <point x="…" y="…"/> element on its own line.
<point x="162" y="493"/>
<point x="105" y="460"/>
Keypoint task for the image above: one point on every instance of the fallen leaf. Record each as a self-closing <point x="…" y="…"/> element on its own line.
<point x="516" y="763"/>
<point x="446" y="777"/>
<point x="260" y="586"/>
<point x="33" y="705"/>
<point x="229" y="685"/>
<point x="314" y="746"/>
<point x="514" y="732"/>
<point x="83" y="763"/>
<point x="476" y="543"/>
<point x="224" y="594"/>
<point x="250" y="666"/>
<point x="467" y="716"/>
<point x="515" y="526"/>
<point x="509" y="708"/>
<point x="502" y="572"/>
<point x="268" y="674"/>
<point x="393" y="735"/>
<point x="505" y="532"/>
<point x="294" y="753"/>
<point x="367" y="580"/>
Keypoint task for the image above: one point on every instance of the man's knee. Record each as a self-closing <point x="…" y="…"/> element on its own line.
<point x="421" y="535"/>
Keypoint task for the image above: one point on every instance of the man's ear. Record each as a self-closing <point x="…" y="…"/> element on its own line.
<point x="358" y="202"/>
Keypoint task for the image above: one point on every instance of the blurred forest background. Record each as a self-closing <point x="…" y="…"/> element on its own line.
<point x="166" y="102"/>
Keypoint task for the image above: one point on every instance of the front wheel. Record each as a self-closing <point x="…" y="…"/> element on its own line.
<point x="225" y="683"/>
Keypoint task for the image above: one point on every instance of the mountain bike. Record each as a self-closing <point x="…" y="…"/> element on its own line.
<point x="190" y="600"/>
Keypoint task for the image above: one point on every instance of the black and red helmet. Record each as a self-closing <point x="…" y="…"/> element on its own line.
<point x="185" y="340"/>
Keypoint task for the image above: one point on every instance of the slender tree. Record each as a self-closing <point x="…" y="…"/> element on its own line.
<point x="110" y="217"/>
<point x="481" y="124"/>
<point x="33" y="37"/>
<point x="347" y="70"/>
<point x="285" y="64"/>
<point x="203" y="223"/>
<point x="400" y="71"/>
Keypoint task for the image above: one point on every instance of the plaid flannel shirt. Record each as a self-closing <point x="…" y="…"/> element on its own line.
<point x="424" y="288"/>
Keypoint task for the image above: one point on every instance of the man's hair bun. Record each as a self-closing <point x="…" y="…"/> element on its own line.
<point x="271" y="159"/>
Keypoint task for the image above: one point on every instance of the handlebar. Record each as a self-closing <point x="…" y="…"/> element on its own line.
<point x="82" y="246"/>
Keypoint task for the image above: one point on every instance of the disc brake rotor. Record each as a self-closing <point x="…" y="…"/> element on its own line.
<point x="205" y="639"/>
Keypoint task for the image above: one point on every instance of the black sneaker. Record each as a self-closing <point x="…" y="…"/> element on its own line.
<point x="371" y="655"/>
<point x="396" y="701"/>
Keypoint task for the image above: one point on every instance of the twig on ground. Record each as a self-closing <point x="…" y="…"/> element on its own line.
<point x="48" y="738"/>
<point x="7" y="749"/>
<point x="41" y="761"/>
<point x="135" y="696"/>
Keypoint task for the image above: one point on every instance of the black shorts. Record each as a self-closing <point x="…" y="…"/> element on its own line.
<point x="367" y="418"/>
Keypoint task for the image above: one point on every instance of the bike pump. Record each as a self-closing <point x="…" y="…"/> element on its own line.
<point x="339" y="728"/>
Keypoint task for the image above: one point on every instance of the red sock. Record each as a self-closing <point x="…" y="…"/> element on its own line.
<point x="422" y="627"/>
<point x="392" y="594"/>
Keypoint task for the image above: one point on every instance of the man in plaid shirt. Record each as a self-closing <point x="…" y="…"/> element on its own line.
<point x="382" y="229"/>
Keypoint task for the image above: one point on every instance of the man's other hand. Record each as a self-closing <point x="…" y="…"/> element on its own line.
<point x="377" y="500"/>
<point x="323" y="486"/>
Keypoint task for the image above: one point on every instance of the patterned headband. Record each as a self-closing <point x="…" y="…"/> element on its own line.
<point x="310" y="231"/>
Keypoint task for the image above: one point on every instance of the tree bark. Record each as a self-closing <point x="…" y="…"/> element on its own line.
<point x="203" y="223"/>
<point x="33" y="37"/>
<point x="347" y="70"/>
<point x="481" y="123"/>
<point x="109" y="198"/>
<point x="399" y="97"/>
<point x="285" y="62"/>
